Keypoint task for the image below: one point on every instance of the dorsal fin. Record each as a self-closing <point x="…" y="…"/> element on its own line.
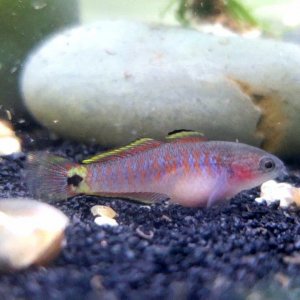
<point x="185" y="136"/>
<point x="128" y="150"/>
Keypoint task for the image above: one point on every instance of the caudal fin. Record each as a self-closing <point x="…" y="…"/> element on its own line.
<point x="46" y="176"/>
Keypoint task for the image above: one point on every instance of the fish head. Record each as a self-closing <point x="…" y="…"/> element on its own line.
<point x="252" y="166"/>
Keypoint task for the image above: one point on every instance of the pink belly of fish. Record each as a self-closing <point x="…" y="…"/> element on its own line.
<point x="192" y="191"/>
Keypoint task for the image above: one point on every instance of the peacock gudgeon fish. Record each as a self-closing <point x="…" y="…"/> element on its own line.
<point x="185" y="168"/>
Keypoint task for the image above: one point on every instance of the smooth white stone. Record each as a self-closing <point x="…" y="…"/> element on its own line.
<point x="114" y="81"/>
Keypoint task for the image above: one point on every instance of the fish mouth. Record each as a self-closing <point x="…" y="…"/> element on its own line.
<point x="283" y="173"/>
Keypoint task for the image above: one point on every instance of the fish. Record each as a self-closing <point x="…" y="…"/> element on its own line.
<point x="185" y="168"/>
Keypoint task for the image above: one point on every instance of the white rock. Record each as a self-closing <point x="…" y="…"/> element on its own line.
<point x="272" y="191"/>
<point x="115" y="81"/>
<point x="31" y="232"/>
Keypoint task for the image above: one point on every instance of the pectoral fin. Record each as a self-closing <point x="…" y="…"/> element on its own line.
<point x="219" y="191"/>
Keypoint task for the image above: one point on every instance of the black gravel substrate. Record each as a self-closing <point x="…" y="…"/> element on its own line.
<point x="241" y="250"/>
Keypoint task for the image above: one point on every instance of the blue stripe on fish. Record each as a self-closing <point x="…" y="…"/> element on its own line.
<point x="162" y="162"/>
<point x="103" y="175"/>
<point x="134" y="172"/>
<point x="202" y="163"/>
<point x="192" y="161"/>
<point x="105" y="178"/>
<point x="126" y="174"/>
<point x="114" y="178"/>
<point x="146" y="170"/>
<point x="179" y="162"/>
<point x="213" y="164"/>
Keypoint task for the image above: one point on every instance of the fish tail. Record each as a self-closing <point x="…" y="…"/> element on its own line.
<point x="50" y="177"/>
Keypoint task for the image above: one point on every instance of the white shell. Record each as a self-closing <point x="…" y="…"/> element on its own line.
<point x="103" y="211"/>
<point x="9" y="143"/>
<point x="102" y="221"/>
<point x="30" y="232"/>
<point x="272" y="191"/>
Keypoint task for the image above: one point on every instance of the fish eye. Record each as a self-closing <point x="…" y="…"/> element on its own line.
<point x="267" y="164"/>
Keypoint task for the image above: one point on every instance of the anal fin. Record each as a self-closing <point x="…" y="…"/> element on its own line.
<point x="147" y="198"/>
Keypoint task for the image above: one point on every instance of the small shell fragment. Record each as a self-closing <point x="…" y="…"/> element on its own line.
<point x="103" y="211"/>
<point x="272" y="191"/>
<point x="31" y="232"/>
<point x="105" y="215"/>
<point x="101" y="221"/>
<point x="6" y="129"/>
<point x="9" y="143"/>
<point x="296" y="195"/>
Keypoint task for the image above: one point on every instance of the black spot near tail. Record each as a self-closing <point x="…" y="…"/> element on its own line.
<point x="74" y="180"/>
